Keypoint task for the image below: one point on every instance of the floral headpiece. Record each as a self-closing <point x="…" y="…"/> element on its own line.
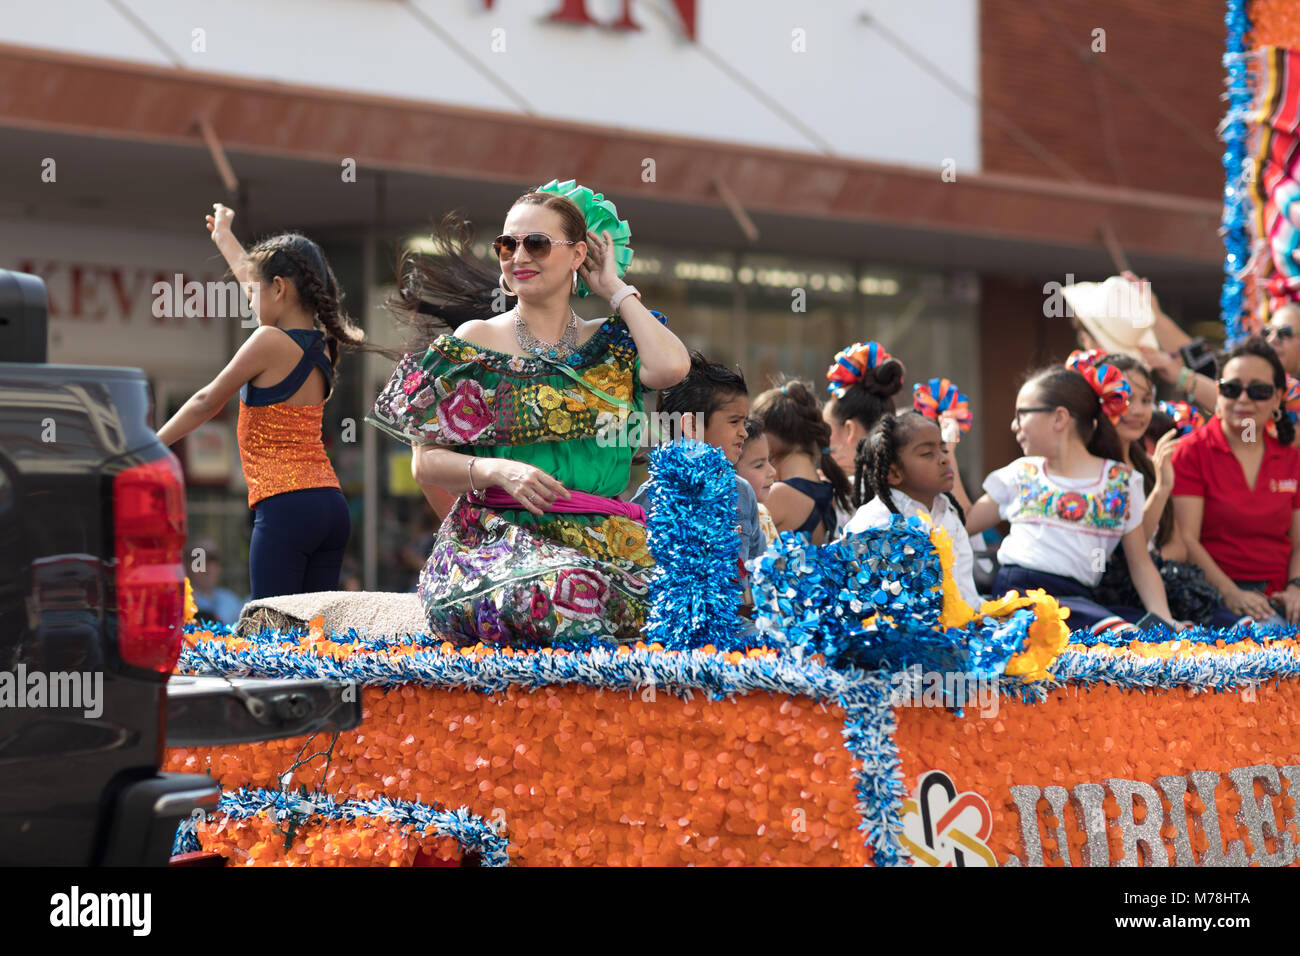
<point x="852" y="363"/>
<point x="1106" y="380"/>
<point x="601" y="216"/>
<point x="940" y="395"/>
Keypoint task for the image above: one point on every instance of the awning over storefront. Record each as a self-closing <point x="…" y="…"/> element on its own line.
<point x="128" y="143"/>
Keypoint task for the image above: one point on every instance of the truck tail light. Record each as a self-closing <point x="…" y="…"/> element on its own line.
<point x="149" y="527"/>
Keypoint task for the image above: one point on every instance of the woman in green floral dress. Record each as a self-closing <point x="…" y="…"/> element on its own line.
<point x="505" y="414"/>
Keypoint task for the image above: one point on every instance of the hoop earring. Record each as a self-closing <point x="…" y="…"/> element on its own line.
<point x="505" y="288"/>
<point x="1277" y="414"/>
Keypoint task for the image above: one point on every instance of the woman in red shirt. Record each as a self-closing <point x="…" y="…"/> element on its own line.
<point x="1235" y="489"/>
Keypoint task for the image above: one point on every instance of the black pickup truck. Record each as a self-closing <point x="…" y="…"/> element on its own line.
<point x="92" y="538"/>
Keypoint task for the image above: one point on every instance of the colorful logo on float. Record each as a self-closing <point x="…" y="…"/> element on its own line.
<point x="942" y="827"/>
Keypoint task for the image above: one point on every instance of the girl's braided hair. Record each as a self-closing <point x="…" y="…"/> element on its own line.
<point x="296" y="259"/>
<point x="878" y="452"/>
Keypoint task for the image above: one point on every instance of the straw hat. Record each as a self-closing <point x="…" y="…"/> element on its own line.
<point x="1117" y="313"/>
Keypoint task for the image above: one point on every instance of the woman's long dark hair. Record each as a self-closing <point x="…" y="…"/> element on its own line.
<point x="792" y="414"/>
<point x="296" y="259"/>
<point x="1256" y="346"/>
<point x="440" y="290"/>
<point x="1137" y="450"/>
<point x="1060" y="386"/>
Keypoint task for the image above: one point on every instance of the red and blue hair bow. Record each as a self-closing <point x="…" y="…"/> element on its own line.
<point x="940" y="395"/>
<point x="852" y="363"/>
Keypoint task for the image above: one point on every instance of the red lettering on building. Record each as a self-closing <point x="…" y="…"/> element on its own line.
<point x="575" y="11"/>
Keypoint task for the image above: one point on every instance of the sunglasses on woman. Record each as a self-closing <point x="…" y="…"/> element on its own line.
<point x="536" y="244"/>
<point x="1256" y="391"/>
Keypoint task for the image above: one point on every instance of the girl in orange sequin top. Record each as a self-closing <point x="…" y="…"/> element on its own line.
<point x="283" y="373"/>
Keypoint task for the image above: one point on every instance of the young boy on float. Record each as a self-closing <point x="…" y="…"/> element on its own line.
<point x="712" y="404"/>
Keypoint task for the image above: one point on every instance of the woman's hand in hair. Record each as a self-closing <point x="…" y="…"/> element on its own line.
<point x="600" y="270"/>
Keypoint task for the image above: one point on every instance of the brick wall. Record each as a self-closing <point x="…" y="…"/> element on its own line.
<point x="1170" y="49"/>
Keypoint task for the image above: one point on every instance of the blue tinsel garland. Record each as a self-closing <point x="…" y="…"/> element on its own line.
<point x="1236" y="193"/>
<point x="472" y="832"/>
<point x="691" y="530"/>
<point x="869" y="725"/>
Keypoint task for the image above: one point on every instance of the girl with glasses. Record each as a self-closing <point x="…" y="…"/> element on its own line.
<point x="516" y="414"/>
<point x="1071" y="500"/>
<point x="1235" y="493"/>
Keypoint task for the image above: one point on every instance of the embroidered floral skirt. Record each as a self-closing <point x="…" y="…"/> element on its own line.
<point x="535" y="582"/>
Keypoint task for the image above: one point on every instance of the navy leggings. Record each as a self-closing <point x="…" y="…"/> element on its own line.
<point x="1077" y="596"/>
<point x="298" y="542"/>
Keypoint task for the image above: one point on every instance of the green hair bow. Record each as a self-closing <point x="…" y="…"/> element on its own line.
<point x="601" y="216"/>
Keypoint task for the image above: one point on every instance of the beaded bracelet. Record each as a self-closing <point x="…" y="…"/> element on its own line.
<point x="617" y="298"/>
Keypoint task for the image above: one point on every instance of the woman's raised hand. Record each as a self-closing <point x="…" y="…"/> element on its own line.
<point x="527" y="484"/>
<point x="1162" y="363"/>
<point x="599" y="270"/>
<point x="219" y="221"/>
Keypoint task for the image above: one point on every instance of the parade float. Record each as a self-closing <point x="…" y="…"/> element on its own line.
<point x="865" y="715"/>
<point x="868" y="716"/>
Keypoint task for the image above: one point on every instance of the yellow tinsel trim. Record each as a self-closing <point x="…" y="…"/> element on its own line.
<point x="191" y="609"/>
<point x="956" y="612"/>
<point x="1048" y="636"/>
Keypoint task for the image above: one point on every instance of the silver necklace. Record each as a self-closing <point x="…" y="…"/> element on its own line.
<point x="559" y="351"/>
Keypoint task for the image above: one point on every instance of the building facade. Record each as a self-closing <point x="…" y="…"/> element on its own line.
<point x="798" y="177"/>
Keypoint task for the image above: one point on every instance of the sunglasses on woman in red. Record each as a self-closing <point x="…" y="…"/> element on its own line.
<point x="1255" y="391"/>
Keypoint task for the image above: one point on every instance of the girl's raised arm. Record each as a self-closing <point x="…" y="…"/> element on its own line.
<point x="219" y="221"/>
<point x="982" y="515"/>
